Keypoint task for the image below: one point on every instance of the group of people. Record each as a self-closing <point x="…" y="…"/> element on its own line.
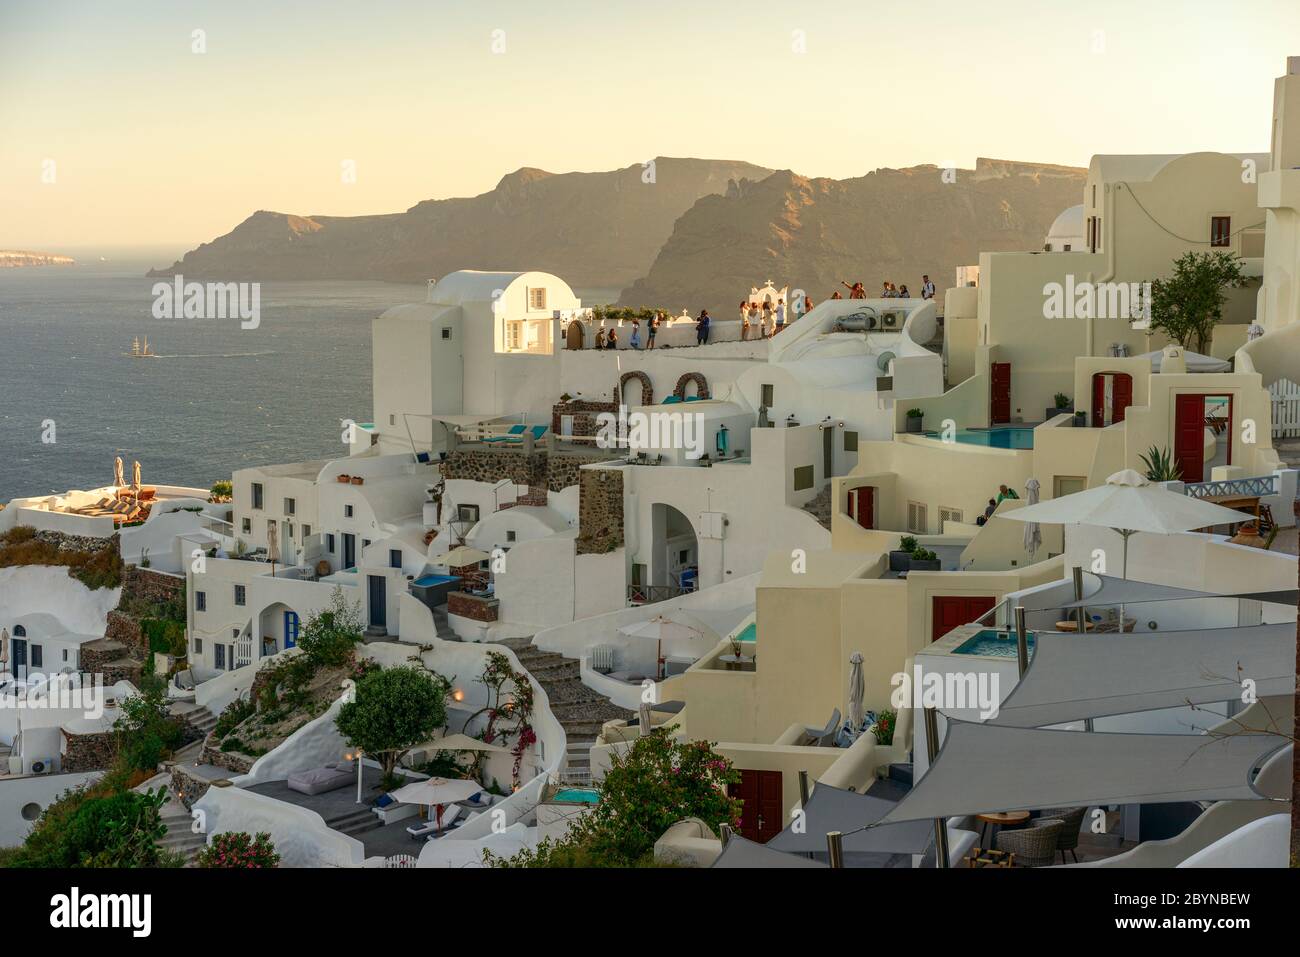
<point x="887" y="291"/>
<point x="1004" y="492"/>
<point x="767" y="317"/>
<point x="608" y="338"/>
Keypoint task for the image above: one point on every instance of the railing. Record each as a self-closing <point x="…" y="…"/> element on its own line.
<point x="243" y="647"/>
<point x="649" y="594"/>
<point x="1260" y="485"/>
<point x="1286" y="408"/>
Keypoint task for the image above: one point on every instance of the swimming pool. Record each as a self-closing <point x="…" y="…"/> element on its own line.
<point x="995" y="644"/>
<point x="749" y="632"/>
<point x="427" y="580"/>
<point x="1005" y="438"/>
<point x="577" y="796"/>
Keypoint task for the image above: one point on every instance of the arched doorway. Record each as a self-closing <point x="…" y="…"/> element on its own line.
<point x="674" y="551"/>
<point x="701" y="385"/>
<point x="1112" y="394"/>
<point x="621" y="396"/>
<point x="279" y="626"/>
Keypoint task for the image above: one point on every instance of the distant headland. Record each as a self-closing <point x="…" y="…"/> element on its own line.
<point x="14" y="258"/>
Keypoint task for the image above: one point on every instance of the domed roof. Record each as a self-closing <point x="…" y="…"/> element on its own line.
<point x="1068" y="225"/>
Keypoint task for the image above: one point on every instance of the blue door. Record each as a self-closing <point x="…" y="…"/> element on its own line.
<point x="290" y="629"/>
<point x="378" y="602"/>
<point x="19" y="646"/>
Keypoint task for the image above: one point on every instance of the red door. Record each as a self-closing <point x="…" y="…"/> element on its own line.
<point x="1098" y="400"/>
<point x="862" y="505"/>
<point x="761" y="816"/>
<point x="952" y="611"/>
<point x="1189" y="436"/>
<point x="1000" y="393"/>
<point x="1121" y="395"/>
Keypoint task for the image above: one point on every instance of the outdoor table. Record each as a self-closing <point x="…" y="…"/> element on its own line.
<point x="1248" y="504"/>
<point x="998" y="820"/>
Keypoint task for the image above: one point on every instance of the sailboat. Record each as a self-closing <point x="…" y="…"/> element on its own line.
<point x="139" y="351"/>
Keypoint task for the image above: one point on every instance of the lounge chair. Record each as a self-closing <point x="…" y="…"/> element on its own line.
<point x="512" y="435"/>
<point x="825" y="738"/>
<point x="1072" y="820"/>
<point x="389" y="810"/>
<point x="427" y="830"/>
<point x="1034" y="846"/>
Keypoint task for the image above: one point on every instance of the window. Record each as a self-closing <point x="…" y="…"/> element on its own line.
<point x="683" y="556"/>
<point x="289" y="506"/>
<point x="306" y="532"/>
<point x="239" y="594"/>
<point x="769" y="396"/>
<point x="288" y="536"/>
<point x="257" y="495"/>
<point x="200" y="601"/>
<point x="392" y="418"/>
<point x="536" y="298"/>
<point x="850" y="441"/>
<point x="1220" y="230"/>
<point x="329" y="543"/>
<point x="37" y="656"/>
<point x="247" y="525"/>
<point x="803" y="478"/>
<point x="948" y="515"/>
<point x="1066" y="247"/>
<point x="198" y="646"/>
<point x="65" y="654"/>
<point x="510" y="534"/>
<point x="395" y="557"/>
<point x="446" y="333"/>
<point x="365" y="543"/>
<point x="917" y="521"/>
<point x="347" y="511"/>
<point x="514" y="335"/>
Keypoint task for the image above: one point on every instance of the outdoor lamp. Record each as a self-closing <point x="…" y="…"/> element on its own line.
<point x="458" y="695"/>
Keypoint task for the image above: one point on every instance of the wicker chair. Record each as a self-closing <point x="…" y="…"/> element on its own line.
<point x="1072" y="817"/>
<point x="1034" y="846"/>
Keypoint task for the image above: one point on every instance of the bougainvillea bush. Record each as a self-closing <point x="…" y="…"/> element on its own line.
<point x="238" y="849"/>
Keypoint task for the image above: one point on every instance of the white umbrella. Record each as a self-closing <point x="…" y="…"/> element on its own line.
<point x="1195" y="361"/>
<point x="857" y="691"/>
<point x="1128" y="503"/>
<point x="135" y="475"/>
<point x="463" y="556"/>
<point x="119" y="478"/>
<point x="437" y="791"/>
<point x="646" y="722"/>
<point x="1033" y="531"/>
<point x="661" y="629"/>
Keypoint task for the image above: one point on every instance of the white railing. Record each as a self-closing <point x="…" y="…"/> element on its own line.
<point x="244" y="647"/>
<point x="1286" y="408"/>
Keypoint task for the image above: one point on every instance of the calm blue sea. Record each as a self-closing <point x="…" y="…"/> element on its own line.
<point x="219" y="398"/>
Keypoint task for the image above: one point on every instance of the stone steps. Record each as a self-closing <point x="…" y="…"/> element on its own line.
<point x="355" y="822"/>
<point x="180" y="837"/>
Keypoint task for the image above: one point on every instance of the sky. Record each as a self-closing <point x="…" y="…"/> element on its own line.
<point x="117" y="129"/>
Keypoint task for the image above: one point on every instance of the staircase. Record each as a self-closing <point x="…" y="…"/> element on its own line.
<point x="354" y="821"/>
<point x="819" y="507"/>
<point x="180" y="837"/>
<point x="580" y="711"/>
<point x="197" y="716"/>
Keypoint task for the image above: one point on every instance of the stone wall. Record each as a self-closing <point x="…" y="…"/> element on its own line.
<point x="584" y="415"/>
<point x="125" y="630"/>
<point x="600" y="511"/>
<point x="230" y="760"/>
<point x="493" y="465"/>
<point x="88" y="752"/>
<point x="468" y="606"/>
<point x="189" y="787"/>
<point x="152" y="586"/>
<point x="563" y="471"/>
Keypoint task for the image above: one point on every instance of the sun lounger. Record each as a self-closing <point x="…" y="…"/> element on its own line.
<point x="320" y="780"/>
<point x="427" y="830"/>
<point x="513" y="434"/>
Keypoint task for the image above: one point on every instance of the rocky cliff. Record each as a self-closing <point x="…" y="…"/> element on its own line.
<point x="592" y="229"/>
<point x="890" y="225"/>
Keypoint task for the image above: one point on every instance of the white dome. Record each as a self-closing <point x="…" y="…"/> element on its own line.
<point x="1068" y="225"/>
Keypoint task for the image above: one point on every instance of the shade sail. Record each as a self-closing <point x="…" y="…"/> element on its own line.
<point x="459" y="742"/>
<point x="835" y="809"/>
<point x="1195" y="361"/>
<point x="986" y="767"/>
<point x="1123" y="591"/>
<point x="1091" y="676"/>
<point x="740" y="852"/>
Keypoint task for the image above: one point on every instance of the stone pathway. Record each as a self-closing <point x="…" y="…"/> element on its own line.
<point x="580" y="711"/>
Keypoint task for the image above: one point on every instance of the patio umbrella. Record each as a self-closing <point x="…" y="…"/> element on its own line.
<point x="4" y="650"/>
<point x="857" y="690"/>
<point x="119" y="476"/>
<point x="661" y="629"/>
<point x="646" y="722"/>
<point x="272" y="546"/>
<point x="436" y="792"/>
<point x="462" y="556"/>
<point x="1128" y="503"/>
<point x="1033" y="532"/>
<point x="135" y="475"/>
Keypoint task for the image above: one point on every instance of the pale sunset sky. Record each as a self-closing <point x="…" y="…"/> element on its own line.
<point x="152" y="143"/>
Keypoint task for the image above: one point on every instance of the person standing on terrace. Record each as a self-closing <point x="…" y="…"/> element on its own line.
<point x="927" y="288"/>
<point x="1005" y="493"/>
<point x="780" y="315"/>
<point x="756" y="320"/>
<point x="702" y="328"/>
<point x="767" y="317"/>
<point x="634" y="341"/>
<point x="652" y="327"/>
<point x="600" y="338"/>
<point x="856" y="291"/>
<point x="744" y="321"/>
<point x="807" y="306"/>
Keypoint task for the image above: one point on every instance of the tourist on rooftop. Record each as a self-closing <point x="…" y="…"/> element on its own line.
<point x="744" y="320"/>
<point x="634" y="341"/>
<point x="755" y="319"/>
<point x="1004" y="493"/>
<point x="767" y="318"/>
<point x="807" y="306"/>
<point x="611" y="341"/>
<point x="780" y="315"/>
<point x="702" y="328"/>
<point x="927" y="288"/>
<point x="993" y="507"/>
<point x="652" y="328"/>
<point x="903" y="293"/>
<point x="856" y="290"/>
<point x="836" y="295"/>
<point x="600" y="338"/>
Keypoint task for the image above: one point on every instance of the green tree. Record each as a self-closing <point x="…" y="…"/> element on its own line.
<point x="328" y="636"/>
<point x="145" y="731"/>
<point x="658" y="782"/>
<point x="393" y="711"/>
<point x="98" y="827"/>
<point x="1187" y="306"/>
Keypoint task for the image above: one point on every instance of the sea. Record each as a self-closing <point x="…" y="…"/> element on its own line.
<point x="217" y="398"/>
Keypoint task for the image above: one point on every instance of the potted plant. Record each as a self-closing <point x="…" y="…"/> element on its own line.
<point x="900" y="559"/>
<point x="345" y="479"/>
<point x="358" y="480"/>
<point x="1080" y="419"/>
<point x="914" y="418"/>
<point x="1063" y="404"/>
<point x="924" y="560"/>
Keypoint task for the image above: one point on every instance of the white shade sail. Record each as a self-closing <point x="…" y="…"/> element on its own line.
<point x="741" y="852"/>
<point x="985" y="767"/>
<point x="1092" y="676"/>
<point x="462" y="556"/>
<point x="459" y="742"/>
<point x="1121" y="591"/>
<point x="1195" y="361"/>
<point x="835" y="809"/>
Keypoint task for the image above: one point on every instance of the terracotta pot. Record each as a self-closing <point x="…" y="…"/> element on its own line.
<point x="344" y="479"/>
<point x="358" y="480"/>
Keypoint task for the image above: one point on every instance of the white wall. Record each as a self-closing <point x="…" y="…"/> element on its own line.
<point x="42" y="790"/>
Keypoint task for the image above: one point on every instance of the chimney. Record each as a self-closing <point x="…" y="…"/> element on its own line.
<point x="1293" y="66"/>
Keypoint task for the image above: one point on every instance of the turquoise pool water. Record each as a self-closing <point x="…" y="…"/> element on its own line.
<point x="749" y="632"/>
<point x="426" y="580"/>
<point x="577" y="796"/>
<point x="993" y="438"/>
<point x="997" y="644"/>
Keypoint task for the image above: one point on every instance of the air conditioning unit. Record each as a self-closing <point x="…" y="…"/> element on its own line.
<point x="871" y="322"/>
<point x="891" y="319"/>
<point x="43" y="766"/>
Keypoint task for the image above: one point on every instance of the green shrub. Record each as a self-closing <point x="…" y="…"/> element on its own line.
<point x="328" y="637"/>
<point x="145" y="732"/>
<point x="100" y="827"/>
<point x="233" y="715"/>
<point x="907" y="544"/>
<point x="238" y="849"/>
